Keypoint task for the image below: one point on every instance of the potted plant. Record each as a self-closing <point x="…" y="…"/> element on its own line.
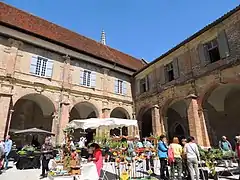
<point x="210" y="157"/>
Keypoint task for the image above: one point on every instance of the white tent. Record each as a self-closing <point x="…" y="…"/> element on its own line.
<point x="94" y="123"/>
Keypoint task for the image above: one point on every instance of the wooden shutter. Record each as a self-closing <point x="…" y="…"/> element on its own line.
<point x="33" y="65"/>
<point x="176" y="68"/>
<point x="162" y="75"/>
<point x="49" y="68"/>
<point x="137" y="86"/>
<point x="124" y="88"/>
<point x="93" y="79"/>
<point x="116" y="86"/>
<point x="203" y="55"/>
<point x="147" y="82"/>
<point x="223" y="45"/>
<point x="81" y="77"/>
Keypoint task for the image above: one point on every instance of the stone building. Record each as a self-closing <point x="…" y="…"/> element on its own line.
<point x="50" y="75"/>
<point x="194" y="88"/>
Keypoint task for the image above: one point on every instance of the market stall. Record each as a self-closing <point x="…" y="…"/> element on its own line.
<point x="29" y="156"/>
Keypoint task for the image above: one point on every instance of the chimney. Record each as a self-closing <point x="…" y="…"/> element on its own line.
<point x="103" y="38"/>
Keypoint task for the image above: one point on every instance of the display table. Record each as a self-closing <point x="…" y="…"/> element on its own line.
<point x="89" y="172"/>
<point x="31" y="162"/>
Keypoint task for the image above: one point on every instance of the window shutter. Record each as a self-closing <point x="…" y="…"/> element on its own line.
<point x="203" y="55"/>
<point x="137" y="87"/>
<point x="81" y="76"/>
<point x="124" y="88"/>
<point x="162" y="75"/>
<point x="49" y="68"/>
<point x="176" y="68"/>
<point x="93" y="79"/>
<point x="147" y="82"/>
<point x="116" y="86"/>
<point x="223" y="45"/>
<point x="33" y="65"/>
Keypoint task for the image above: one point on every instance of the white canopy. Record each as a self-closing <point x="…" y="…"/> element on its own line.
<point x="94" y="123"/>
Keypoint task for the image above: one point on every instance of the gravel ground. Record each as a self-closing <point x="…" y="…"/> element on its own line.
<point x="33" y="174"/>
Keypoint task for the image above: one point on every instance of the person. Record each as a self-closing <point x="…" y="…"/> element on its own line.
<point x="162" y="153"/>
<point x="226" y="147"/>
<point x="149" y="160"/>
<point x="8" y="148"/>
<point x="184" y="159"/>
<point x="46" y="155"/>
<point x="237" y="149"/>
<point x="2" y="154"/>
<point x="193" y="156"/>
<point x="177" y="155"/>
<point x="97" y="157"/>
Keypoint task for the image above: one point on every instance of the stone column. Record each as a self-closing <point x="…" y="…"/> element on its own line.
<point x="63" y="119"/>
<point x="204" y="122"/>
<point x="11" y="60"/>
<point x="105" y="82"/>
<point x="5" y="106"/>
<point x="106" y="131"/>
<point x="66" y="76"/>
<point x="194" y="120"/>
<point x="156" y="121"/>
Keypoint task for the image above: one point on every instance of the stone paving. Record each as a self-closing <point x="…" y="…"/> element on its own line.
<point x="33" y="174"/>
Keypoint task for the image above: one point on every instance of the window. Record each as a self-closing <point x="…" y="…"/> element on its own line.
<point x="213" y="50"/>
<point x="120" y="87"/>
<point x="87" y="78"/>
<point x="169" y="72"/>
<point x="41" y="66"/>
<point x="143" y="85"/>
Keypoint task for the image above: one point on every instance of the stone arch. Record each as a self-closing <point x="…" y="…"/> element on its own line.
<point x="119" y="112"/>
<point x="175" y="113"/>
<point x="221" y="109"/>
<point x="84" y="110"/>
<point x="144" y="118"/>
<point x="32" y="110"/>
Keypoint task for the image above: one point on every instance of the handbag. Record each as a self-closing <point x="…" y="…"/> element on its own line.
<point x="171" y="159"/>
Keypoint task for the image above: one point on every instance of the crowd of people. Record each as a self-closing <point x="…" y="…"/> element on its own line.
<point x="182" y="157"/>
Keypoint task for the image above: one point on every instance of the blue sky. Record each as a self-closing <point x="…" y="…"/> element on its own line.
<point x="142" y="28"/>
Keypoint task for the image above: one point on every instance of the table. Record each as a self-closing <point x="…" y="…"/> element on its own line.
<point x="25" y="162"/>
<point x="89" y="172"/>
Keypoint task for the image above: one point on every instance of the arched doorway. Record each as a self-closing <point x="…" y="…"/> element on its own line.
<point x="177" y="120"/>
<point x="83" y="110"/>
<point x="221" y="110"/>
<point x="145" y="122"/>
<point x="119" y="112"/>
<point x="32" y="111"/>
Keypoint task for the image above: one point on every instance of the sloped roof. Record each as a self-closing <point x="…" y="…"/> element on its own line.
<point x="23" y="21"/>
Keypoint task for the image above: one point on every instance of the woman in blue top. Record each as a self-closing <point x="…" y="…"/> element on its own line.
<point x="163" y="155"/>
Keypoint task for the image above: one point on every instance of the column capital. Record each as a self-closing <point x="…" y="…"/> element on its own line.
<point x="155" y="106"/>
<point x="67" y="59"/>
<point x="191" y="96"/>
<point x="105" y="70"/>
<point x="15" y="43"/>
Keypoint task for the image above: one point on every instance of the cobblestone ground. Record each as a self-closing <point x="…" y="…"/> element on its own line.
<point x="33" y="174"/>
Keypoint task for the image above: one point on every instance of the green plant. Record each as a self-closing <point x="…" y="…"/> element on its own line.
<point x="210" y="156"/>
<point x="66" y="162"/>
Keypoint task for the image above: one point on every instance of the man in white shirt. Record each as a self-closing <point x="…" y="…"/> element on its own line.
<point x="193" y="156"/>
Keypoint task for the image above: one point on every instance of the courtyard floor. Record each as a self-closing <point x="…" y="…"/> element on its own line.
<point x="33" y="174"/>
